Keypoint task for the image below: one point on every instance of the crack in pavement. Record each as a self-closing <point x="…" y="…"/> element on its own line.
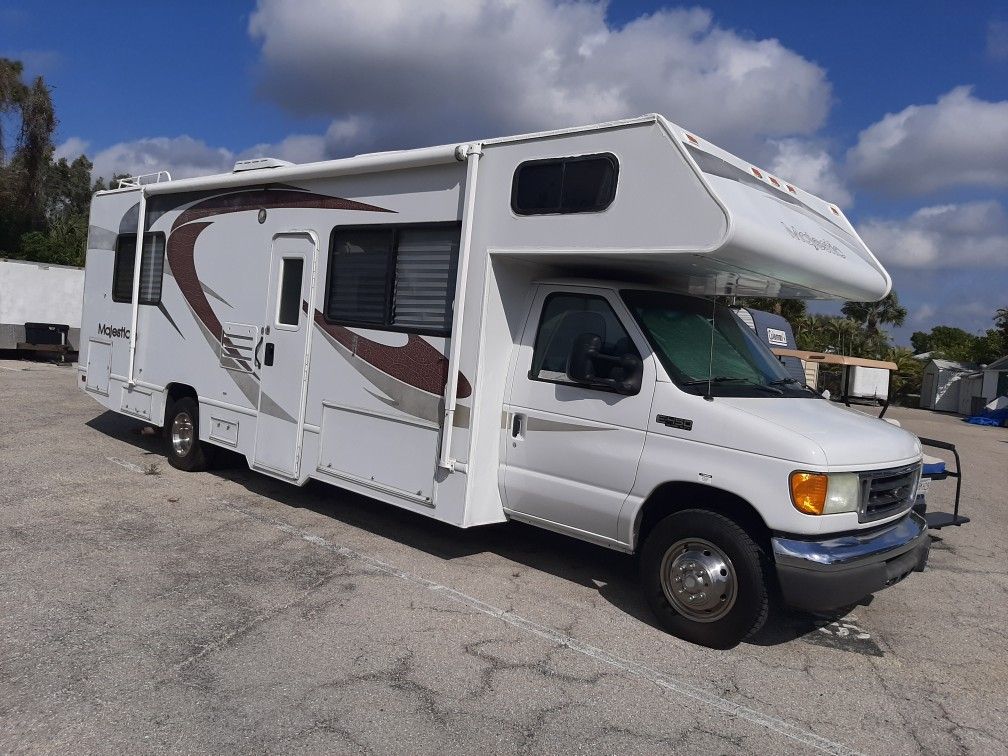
<point x="769" y="722"/>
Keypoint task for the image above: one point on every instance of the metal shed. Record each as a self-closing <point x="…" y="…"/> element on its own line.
<point x="940" y="386"/>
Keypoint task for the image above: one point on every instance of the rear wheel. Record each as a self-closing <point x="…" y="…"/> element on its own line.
<point x="705" y="578"/>
<point x="181" y="430"/>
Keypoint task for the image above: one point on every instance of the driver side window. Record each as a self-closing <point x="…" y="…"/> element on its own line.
<point x="568" y="317"/>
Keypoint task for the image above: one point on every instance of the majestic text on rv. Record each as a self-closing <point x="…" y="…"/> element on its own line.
<point x="520" y="328"/>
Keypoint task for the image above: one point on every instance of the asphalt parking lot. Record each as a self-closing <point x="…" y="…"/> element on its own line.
<point x="144" y="609"/>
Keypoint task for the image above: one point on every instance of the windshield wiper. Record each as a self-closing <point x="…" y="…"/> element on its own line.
<point x="730" y="379"/>
<point x="718" y="379"/>
<point x="789" y="380"/>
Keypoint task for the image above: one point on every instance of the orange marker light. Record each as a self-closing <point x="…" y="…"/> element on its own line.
<point x="808" y="492"/>
<point x="691" y="138"/>
<point x="756" y="172"/>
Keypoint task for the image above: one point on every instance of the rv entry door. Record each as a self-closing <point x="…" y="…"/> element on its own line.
<point x="281" y="356"/>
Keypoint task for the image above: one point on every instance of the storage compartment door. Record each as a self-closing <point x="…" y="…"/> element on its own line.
<point x="99" y="363"/>
<point x="395" y="454"/>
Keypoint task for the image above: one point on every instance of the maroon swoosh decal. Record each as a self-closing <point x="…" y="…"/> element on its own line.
<point x="181" y="245"/>
<point x="416" y="363"/>
<point x="269" y="199"/>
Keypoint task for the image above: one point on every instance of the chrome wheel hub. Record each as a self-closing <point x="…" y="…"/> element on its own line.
<point x="698" y="580"/>
<point x="182" y="434"/>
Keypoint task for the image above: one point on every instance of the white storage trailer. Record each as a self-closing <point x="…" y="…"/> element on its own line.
<point x="519" y="328"/>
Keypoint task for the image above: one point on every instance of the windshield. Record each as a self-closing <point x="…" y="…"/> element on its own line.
<point x="737" y="362"/>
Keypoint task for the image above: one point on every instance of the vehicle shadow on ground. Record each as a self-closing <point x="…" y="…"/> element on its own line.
<point x="612" y="574"/>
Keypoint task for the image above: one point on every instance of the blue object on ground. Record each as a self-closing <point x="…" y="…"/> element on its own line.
<point x="932" y="466"/>
<point x="977" y="420"/>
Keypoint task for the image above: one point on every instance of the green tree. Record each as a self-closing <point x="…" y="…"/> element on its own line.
<point x="791" y="309"/>
<point x="68" y="187"/>
<point x="12" y="95"/>
<point x="30" y="162"/>
<point x="43" y="204"/>
<point x="1001" y="321"/>
<point x="906" y="380"/>
<point x="872" y="315"/>
<point x="920" y="341"/>
<point x="951" y="343"/>
<point x="988" y="347"/>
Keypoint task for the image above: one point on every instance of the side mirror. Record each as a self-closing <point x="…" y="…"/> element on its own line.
<point x="581" y="363"/>
<point x="582" y="366"/>
<point x="633" y="374"/>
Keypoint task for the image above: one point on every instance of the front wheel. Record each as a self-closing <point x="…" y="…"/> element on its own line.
<point x="185" y="451"/>
<point x="705" y="578"/>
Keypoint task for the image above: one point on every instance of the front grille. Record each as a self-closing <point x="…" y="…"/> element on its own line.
<point x="885" y="493"/>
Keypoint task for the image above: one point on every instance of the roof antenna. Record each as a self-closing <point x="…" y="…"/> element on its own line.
<point x="710" y="359"/>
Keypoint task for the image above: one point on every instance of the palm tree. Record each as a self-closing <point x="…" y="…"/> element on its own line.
<point x="871" y="315"/>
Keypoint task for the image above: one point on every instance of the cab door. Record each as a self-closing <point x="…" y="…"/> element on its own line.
<point x="572" y="448"/>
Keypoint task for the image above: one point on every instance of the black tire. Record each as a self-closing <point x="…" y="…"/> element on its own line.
<point x="740" y="596"/>
<point x="194" y="456"/>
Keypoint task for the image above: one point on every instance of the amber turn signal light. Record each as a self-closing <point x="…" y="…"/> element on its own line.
<point x="808" y="492"/>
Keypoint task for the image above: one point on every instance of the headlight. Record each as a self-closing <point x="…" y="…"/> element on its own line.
<point x="844" y="493"/>
<point x="819" y="493"/>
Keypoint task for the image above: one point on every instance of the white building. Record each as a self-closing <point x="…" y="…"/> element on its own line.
<point x="33" y="292"/>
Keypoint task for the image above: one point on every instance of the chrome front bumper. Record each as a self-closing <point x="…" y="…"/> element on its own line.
<point x="828" y="573"/>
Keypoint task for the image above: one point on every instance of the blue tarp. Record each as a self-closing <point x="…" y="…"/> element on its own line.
<point x="978" y="420"/>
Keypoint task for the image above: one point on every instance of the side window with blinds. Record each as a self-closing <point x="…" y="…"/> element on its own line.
<point x="393" y="278"/>
<point x="358" y="276"/>
<point x="425" y="278"/>
<point x="151" y="268"/>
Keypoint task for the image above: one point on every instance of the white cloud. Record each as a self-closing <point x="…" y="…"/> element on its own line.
<point x="185" y="157"/>
<point x="958" y="141"/>
<point x="949" y="237"/>
<point x="307" y="148"/>
<point x="924" y="314"/>
<point x="71" y="149"/>
<point x="808" y="165"/>
<point x="182" y="156"/>
<point x="424" y="73"/>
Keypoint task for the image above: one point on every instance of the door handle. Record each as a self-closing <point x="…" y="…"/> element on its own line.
<point x="268" y="356"/>
<point x="516" y="424"/>
<point x="255" y="355"/>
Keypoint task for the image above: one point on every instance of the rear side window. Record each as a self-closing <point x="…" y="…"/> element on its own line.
<point x="151" y="268"/>
<point x="581" y="184"/>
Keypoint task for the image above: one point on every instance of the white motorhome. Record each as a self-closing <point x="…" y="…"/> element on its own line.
<point x="520" y="328"/>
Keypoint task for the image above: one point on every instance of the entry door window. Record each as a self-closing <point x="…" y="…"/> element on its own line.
<point x="289" y="304"/>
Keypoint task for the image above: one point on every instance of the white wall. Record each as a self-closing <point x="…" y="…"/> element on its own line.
<point x="37" y="293"/>
<point x="990" y="383"/>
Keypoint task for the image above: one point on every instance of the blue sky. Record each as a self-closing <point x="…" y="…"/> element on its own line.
<point x="897" y="110"/>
